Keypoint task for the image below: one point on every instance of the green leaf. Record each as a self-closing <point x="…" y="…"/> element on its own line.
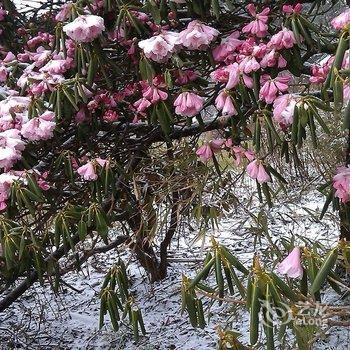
<point x="324" y="270"/>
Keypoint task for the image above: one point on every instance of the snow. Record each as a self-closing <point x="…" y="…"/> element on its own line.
<point x="43" y="320"/>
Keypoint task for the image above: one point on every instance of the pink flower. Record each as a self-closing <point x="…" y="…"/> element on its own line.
<point x="14" y="104"/>
<point x="197" y="36"/>
<point x="10" y="57"/>
<point x="272" y="87"/>
<point x="142" y="104"/>
<point x="160" y="47"/>
<point x="6" y="180"/>
<point x="249" y="64"/>
<point x="319" y="72"/>
<point x="273" y="59"/>
<point x="341" y="21"/>
<point x="240" y="153"/>
<point x="42" y="183"/>
<point x="39" y="128"/>
<point x="259" y="26"/>
<point x="346" y="93"/>
<point x="63" y="14"/>
<point x="57" y="66"/>
<point x="220" y="75"/>
<point x="235" y="73"/>
<point x="341" y="183"/>
<point x="110" y="116"/>
<point x="87" y="172"/>
<point x="81" y="115"/>
<point x="284" y="39"/>
<point x="256" y="171"/>
<point x="11" y="146"/>
<point x="290" y="9"/>
<point x="188" y="104"/>
<point x="291" y="265"/>
<point x="227" y="47"/>
<point x="185" y="76"/>
<point x="153" y="94"/>
<point x="85" y="28"/>
<point x="225" y="104"/>
<point x="283" y="109"/>
<point x="3" y="74"/>
<point x="3" y="14"/>
<point x="102" y="162"/>
<point x="206" y="151"/>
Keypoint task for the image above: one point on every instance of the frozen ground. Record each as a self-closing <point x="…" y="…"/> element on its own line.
<point x="42" y="320"/>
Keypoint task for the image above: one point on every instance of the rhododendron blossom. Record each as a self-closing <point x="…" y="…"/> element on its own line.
<point x="87" y="172"/>
<point x="225" y="104"/>
<point x="235" y="74"/>
<point x="39" y="128"/>
<point x="121" y="121"/>
<point x="207" y="151"/>
<point x="342" y="21"/>
<point x="259" y="26"/>
<point x="240" y="153"/>
<point x="228" y="46"/>
<point x="292" y="9"/>
<point x="197" y="36"/>
<point x="188" y="104"/>
<point x="284" y="39"/>
<point x="256" y="171"/>
<point x="283" y="109"/>
<point x="5" y="186"/>
<point x="272" y="87"/>
<point x="291" y="265"/>
<point x="85" y="28"/>
<point x="160" y="47"/>
<point x="341" y="183"/>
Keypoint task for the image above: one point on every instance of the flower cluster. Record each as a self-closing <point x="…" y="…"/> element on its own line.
<point x="341" y="183"/>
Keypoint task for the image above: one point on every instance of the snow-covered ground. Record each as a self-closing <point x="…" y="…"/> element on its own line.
<point x="42" y="320"/>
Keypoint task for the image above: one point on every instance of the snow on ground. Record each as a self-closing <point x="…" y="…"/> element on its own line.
<point x="42" y="320"/>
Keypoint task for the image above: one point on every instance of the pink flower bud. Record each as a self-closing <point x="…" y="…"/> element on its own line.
<point x="291" y="265"/>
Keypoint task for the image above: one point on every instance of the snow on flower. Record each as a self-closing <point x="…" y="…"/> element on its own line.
<point x="342" y="21"/>
<point x="85" y="28"/>
<point x="11" y="146"/>
<point x="57" y="66"/>
<point x="283" y="109"/>
<point x="160" y="47"/>
<point x="6" y="180"/>
<point x="197" y="36"/>
<point x="39" y="128"/>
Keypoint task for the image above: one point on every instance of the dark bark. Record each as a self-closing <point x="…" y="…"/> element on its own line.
<point x="163" y="265"/>
<point x="344" y="219"/>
